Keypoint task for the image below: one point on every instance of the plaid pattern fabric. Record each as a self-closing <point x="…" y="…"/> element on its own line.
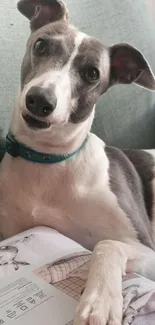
<point x="68" y="275"/>
<point x="63" y="269"/>
<point x="72" y="287"/>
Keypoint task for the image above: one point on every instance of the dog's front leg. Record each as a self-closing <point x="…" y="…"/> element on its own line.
<point x="102" y="301"/>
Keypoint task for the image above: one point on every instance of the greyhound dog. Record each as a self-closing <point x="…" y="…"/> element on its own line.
<point x="56" y="173"/>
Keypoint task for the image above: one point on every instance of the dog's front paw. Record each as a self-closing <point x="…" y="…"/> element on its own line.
<point x="99" y="309"/>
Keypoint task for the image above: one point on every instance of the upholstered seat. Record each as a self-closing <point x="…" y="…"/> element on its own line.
<point x="126" y="114"/>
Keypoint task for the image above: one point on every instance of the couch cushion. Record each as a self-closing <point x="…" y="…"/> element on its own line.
<point x="126" y="114"/>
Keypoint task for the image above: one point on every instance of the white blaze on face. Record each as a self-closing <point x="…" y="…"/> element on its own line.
<point x="62" y="84"/>
<point x="61" y="80"/>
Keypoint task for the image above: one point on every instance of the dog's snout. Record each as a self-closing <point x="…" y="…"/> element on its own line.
<point x="38" y="102"/>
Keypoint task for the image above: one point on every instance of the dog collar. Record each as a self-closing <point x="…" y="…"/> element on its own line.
<point x="17" y="149"/>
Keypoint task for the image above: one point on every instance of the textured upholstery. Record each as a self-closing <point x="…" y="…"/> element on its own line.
<point x="126" y="114"/>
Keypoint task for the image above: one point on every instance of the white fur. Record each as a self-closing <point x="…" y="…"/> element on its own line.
<point x="103" y="292"/>
<point x="61" y="79"/>
<point x="74" y="198"/>
<point x="78" y="203"/>
<point x="152" y="152"/>
<point x="83" y="208"/>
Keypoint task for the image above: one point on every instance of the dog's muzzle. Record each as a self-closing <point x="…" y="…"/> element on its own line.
<point x="40" y="102"/>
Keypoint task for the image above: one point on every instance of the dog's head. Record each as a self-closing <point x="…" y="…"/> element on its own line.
<point x="64" y="71"/>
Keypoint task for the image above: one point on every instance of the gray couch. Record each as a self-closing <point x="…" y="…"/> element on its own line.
<point x="126" y="114"/>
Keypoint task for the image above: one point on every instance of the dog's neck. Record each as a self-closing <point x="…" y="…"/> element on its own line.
<point x="58" y="140"/>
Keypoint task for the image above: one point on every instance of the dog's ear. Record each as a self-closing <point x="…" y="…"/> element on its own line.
<point x="128" y="65"/>
<point x="42" y="12"/>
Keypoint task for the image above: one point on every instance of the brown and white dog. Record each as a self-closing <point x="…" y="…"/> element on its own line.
<point x="101" y="197"/>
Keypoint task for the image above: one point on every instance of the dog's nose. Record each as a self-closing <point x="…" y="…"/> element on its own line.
<point x="37" y="101"/>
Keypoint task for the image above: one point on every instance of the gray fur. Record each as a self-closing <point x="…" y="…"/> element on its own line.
<point x="42" y="12"/>
<point x="90" y="53"/>
<point x="59" y="51"/>
<point x="132" y="187"/>
<point x="2" y="148"/>
<point x="144" y="165"/>
<point x="130" y="172"/>
<point x="60" y="37"/>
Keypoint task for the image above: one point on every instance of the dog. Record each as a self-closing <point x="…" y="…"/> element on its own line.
<point x="56" y="173"/>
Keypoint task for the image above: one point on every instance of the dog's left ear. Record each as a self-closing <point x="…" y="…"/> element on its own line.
<point x="128" y="65"/>
<point x="42" y="12"/>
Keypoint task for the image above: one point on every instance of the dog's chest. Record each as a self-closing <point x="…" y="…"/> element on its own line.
<point x="29" y="195"/>
<point x="33" y="195"/>
<point x="74" y="198"/>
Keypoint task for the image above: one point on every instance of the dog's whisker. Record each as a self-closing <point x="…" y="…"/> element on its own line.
<point x="95" y="86"/>
<point x="74" y="111"/>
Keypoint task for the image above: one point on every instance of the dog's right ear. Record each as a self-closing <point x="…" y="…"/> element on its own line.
<point x="42" y="12"/>
<point x="128" y="65"/>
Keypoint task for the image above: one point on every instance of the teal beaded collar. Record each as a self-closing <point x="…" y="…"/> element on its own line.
<point x="17" y="149"/>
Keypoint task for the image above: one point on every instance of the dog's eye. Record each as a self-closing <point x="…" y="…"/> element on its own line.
<point x="91" y="74"/>
<point x="40" y="46"/>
